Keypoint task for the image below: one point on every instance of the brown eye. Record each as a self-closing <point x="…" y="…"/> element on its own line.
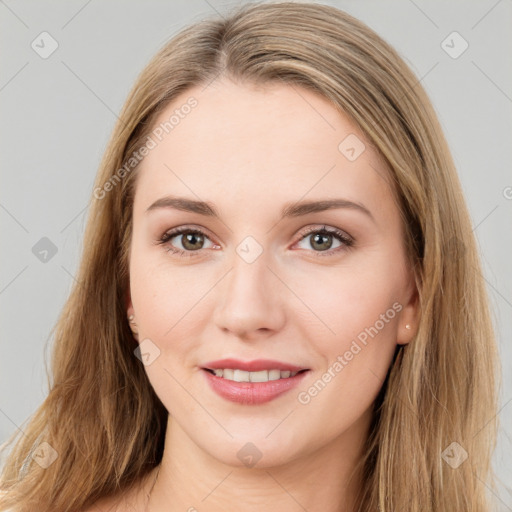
<point x="192" y="241"/>
<point x="188" y="241"/>
<point x="321" y="240"/>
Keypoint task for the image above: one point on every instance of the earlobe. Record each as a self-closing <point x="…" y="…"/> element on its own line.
<point x="405" y="334"/>
<point x="409" y="320"/>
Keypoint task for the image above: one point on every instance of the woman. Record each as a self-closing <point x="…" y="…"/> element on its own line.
<point x="279" y="305"/>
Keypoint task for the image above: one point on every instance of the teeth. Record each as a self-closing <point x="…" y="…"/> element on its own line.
<point x="274" y="374"/>
<point x="240" y="376"/>
<point x="261" y="376"/>
<point x="228" y="374"/>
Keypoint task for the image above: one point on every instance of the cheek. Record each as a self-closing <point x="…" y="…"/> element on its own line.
<point x="356" y="343"/>
<point x="359" y="307"/>
<point x="353" y="303"/>
<point x="168" y="309"/>
<point x="163" y="295"/>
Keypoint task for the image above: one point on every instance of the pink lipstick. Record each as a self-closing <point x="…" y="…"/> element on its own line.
<point x="252" y="382"/>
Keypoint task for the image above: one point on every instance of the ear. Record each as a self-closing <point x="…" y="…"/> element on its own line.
<point x="409" y="316"/>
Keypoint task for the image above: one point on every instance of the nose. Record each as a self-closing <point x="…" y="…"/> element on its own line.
<point x="250" y="300"/>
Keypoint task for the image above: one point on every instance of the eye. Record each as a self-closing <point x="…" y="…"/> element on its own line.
<point x="322" y="240"/>
<point x="191" y="240"/>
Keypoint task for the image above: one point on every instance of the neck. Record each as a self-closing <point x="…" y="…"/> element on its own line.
<point x="327" y="478"/>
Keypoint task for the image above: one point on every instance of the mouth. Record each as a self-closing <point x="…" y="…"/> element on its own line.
<point x="254" y="382"/>
<point x="259" y="370"/>
<point x="237" y="375"/>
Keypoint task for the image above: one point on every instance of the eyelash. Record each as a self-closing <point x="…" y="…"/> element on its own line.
<point x="336" y="233"/>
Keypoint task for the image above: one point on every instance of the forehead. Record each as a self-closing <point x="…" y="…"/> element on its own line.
<point x="241" y="139"/>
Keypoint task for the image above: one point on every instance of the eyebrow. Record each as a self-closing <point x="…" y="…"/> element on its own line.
<point x="289" y="210"/>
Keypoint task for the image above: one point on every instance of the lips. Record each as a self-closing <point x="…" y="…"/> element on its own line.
<point x="252" y="366"/>
<point x="252" y="382"/>
<point x="252" y="393"/>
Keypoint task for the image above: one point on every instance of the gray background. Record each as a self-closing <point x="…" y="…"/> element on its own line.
<point x="58" y="112"/>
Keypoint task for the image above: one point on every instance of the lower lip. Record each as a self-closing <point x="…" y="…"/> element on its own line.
<point x="251" y="393"/>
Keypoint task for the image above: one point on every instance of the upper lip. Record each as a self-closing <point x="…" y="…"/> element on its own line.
<point x="252" y="366"/>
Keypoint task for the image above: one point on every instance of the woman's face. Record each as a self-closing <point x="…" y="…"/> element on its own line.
<point x="255" y="284"/>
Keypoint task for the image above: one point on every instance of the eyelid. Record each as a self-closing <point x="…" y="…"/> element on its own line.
<point x="331" y="230"/>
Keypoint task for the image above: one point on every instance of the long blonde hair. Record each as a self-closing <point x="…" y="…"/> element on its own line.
<point x="102" y="417"/>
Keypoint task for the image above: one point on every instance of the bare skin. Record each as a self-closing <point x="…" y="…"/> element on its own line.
<point x="249" y="151"/>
